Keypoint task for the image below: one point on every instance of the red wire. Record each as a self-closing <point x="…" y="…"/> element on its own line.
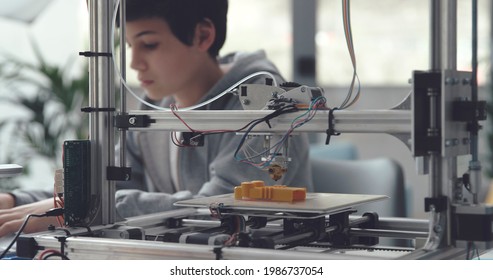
<point x="174" y="110"/>
<point x="41" y="256"/>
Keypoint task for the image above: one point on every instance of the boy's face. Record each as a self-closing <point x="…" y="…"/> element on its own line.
<point x="165" y="65"/>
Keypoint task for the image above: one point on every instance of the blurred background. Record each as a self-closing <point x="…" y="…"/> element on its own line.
<point x="43" y="81"/>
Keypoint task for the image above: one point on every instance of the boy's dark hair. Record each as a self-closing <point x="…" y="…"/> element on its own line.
<point x="183" y="16"/>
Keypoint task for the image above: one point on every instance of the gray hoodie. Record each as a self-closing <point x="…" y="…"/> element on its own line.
<point x="201" y="171"/>
<point x="210" y="169"/>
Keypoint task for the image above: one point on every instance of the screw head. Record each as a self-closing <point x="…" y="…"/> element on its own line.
<point x="437" y="228"/>
<point x="448" y="143"/>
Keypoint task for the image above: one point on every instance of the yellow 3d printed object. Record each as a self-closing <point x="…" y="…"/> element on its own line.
<point x="256" y="190"/>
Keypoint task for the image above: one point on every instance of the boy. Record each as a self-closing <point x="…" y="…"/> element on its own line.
<point x="175" y="46"/>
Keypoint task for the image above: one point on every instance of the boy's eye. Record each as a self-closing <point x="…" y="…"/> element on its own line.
<point x="151" y="46"/>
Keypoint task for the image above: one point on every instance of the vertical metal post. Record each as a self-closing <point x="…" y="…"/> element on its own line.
<point x="123" y="71"/>
<point x="449" y="61"/>
<point x="304" y="14"/>
<point x="443" y="171"/>
<point x="474" y="164"/>
<point x="101" y="96"/>
<point x="449" y="34"/>
<point x="435" y="29"/>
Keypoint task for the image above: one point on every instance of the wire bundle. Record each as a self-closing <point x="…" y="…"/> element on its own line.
<point x="50" y="213"/>
<point x="240" y="226"/>
<point x="49" y="253"/>
<point x="316" y="104"/>
<point x="349" y="41"/>
<point x="198" y="133"/>
<point x="275" y="149"/>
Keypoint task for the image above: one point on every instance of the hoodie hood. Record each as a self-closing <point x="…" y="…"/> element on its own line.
<point x="240" y="65"/>
<point x="243" y="64"/>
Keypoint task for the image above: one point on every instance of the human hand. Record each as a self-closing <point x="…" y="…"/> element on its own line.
<point x="6" y="201"/>
<point x="11" y="219"/>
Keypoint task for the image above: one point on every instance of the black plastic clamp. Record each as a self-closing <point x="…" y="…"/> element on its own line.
<point x="128" y="121"/>
<point x="439" y="203"/>
<point x="114" y="173"/>
<point x="92" y="110"/>
<point x="331" y="131"/>
<point x="95" y="54"/>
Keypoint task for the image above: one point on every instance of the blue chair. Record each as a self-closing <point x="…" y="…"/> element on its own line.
<point x="382" y="176"/>
<point x="336" y="150"/>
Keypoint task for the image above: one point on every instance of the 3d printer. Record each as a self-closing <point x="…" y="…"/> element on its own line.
<point x="440" y="119"/>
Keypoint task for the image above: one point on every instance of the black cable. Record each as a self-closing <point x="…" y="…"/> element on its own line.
<point x="67" y="232"/>
<point x="276" y="113"/>
<point x="205" y="133"/>
<point x="61" y="255"/>
<point x="474" y="250"/>
<point x="330" y="130"/>
<point x="49" y="213"/>
<point x="62" y="240"/>
<point x="471" y="250"/>
<point x="18" y="234"/>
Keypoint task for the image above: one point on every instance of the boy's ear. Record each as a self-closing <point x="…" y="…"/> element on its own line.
<point x="205" y="34"/>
